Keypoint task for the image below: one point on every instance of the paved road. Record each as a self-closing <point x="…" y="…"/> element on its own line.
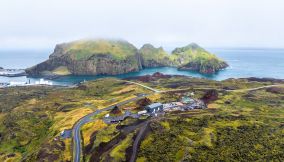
<point x="136" y="142"/>
<point x="142" y="85"/>
<point x="257" y="88"/>
<point x="173" y="90"/>
<point x="235" y="90"/>
<point x="76" y="128"/>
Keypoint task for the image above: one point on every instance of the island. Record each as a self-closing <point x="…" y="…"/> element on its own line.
<point x="112" y="57"/>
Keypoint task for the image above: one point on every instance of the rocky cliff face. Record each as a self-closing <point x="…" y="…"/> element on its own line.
<point x="111" y="57"/>
<point x="154" y="57"/>
<point x="204" y="68"/>
<point x="80" y="62"/>
<point x="193" y="57"/>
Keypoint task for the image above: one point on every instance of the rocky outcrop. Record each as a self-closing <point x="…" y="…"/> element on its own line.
<point x="140" y="104"/>
<point x="148" y="78"/>
<point x="112" y="57"/>
<point x="209" y="68"/>
<point x="209" y="96"/>
<point x="115" y="111"/>
<point x="273" y="80"/>
<point x="1" y="68"/>
<point x="154" y="57"/>
<point x="276" y="90"/>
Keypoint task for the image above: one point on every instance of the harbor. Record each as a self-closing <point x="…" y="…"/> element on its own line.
<point x="28" y="83"/>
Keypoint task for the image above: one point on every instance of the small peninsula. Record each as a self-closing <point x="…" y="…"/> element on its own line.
<point x="112" y="57"/>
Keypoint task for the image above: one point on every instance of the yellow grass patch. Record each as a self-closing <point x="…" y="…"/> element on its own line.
<point x="4" y="158"/>
<point x="66" y="120"/>
<point x="90" y="128"/>
<point x="206" y="138"/>
<point x="67" y="153"/>
<point x="125" y="90"/>
<point x="213" y="105"/>
<point x="155" y="96"/>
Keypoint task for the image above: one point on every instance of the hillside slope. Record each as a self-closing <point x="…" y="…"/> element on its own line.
<point x="90" y="57"/>
<point x="154" y="57"/>
<point x="112" y="57"/>
<point x="194" y="57"/>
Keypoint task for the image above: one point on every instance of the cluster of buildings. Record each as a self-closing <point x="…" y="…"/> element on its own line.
<point x="12" y="72"/>
<point x="114" y="119"/>
<point x="154" y="109"/>
<point x="20" y="83"/>
<point x="186" y="103"/>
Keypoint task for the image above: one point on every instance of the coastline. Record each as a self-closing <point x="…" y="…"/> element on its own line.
<point x="53" y="83"/>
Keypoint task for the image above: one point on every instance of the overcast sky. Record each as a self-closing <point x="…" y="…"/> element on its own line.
<point x="211" y="23"/>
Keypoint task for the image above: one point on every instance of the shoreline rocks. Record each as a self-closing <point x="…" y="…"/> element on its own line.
<point x="197" y="66"/>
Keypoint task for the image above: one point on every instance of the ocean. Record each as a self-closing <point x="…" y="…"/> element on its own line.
<point x="243" y="63"/>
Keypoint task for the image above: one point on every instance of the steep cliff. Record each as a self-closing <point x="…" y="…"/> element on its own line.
<point x="90" y="57"/>
<point x="190" y="57"/>
<point x="193" y="57"/>
<point x="154" y="57"/>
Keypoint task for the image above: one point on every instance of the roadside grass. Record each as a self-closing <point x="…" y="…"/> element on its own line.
<point x="67" y="120"/>
<point x="89" y="128"/>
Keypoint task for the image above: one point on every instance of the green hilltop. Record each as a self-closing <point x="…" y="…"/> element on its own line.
<point x="190" y="57"/>
<point x="112" y="57"/>
<point x="84" y="49"/>
<point x="194" y="57"/>
<point x="154" y="57"/>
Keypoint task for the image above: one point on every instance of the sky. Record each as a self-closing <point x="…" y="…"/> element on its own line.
<point x="36" y="24"/>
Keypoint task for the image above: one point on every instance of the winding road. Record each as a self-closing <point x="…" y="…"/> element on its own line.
<point x="76" y="128"/>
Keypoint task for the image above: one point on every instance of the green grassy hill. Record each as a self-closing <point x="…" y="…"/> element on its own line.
<point x="154" y="57"/>
<point x="193" y="57"/>
<point x="84" y="49"/>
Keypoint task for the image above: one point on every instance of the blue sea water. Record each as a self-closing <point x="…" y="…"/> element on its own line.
<point x="243" y="63"/>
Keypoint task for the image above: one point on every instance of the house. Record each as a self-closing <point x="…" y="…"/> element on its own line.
<point x="155" y="107"/>
<point x="142" y="112"/>
<point x="66" y="133"/>
<point x="186" y="100"/>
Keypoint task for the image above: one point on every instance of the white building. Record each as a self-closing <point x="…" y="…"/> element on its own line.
<point x="43" y="82"/>
<point x="14" y="83"/>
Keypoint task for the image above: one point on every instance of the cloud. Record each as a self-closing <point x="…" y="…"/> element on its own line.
<point x="39" y="24"/>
